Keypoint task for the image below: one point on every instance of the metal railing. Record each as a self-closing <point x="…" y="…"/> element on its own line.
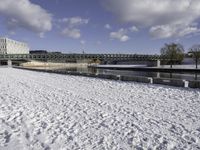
<point x="79" y="57"/>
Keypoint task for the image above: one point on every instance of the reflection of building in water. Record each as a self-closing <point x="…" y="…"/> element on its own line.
<point x="86" y="70"/>
<point x="8" y="46"/>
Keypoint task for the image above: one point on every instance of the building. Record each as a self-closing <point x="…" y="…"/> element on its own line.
<point x="8" y="46"/>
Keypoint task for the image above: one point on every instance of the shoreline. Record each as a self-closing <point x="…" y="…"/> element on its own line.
<point x="51" y="65"/>
<point x="148" y="80"/>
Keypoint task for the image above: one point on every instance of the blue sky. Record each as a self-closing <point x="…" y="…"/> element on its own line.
<point x="101" y="26"/>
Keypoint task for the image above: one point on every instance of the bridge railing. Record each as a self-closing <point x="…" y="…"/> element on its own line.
<point x="80" y="56"/>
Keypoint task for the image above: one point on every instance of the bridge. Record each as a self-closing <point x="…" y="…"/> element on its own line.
<point x="54" y="57"/>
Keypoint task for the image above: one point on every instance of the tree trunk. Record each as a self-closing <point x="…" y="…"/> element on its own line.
<point x="195" y="76"/>
<point x="196" y="61"/>
<point x="170" y="75"/>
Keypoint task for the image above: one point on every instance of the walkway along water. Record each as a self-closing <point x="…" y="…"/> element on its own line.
<point x="151" y="80"/>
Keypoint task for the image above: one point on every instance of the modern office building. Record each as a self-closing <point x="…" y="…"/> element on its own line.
<point x="8" y="46"/>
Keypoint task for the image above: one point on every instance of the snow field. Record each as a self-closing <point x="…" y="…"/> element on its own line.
<point x="42" y="111"/>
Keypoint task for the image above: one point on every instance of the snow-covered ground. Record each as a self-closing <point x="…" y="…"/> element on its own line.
<point x="42" y="111"/>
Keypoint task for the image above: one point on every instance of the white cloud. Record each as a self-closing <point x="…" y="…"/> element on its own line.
<point x="24" y="14"/>
<point x="41" y="35"/>
<point x="74" y="21"/>
<point x="12" y="32"/>
<point x="107" y="26"/>
<point x="120" y="35"/>
<point x="72" y="26"/>
<point x="151" y="12"/>
<point x="166" y="31"/>
<point x="157" y="14"/>
<point x="133" y="29"/>
<point x="82" y="42"/>
<point x="72" y="33"/>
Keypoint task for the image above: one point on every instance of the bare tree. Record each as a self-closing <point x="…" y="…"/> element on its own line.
<point x="195" y="51"/>
<point x="174" y="53"/>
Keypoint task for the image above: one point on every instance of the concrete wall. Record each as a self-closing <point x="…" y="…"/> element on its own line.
<point x="106" y="76"/>
<point x="162" y="81"/>
<point x="194" y="84"/>
<point x="135" y="78"/>
<point x="170" y="82"/>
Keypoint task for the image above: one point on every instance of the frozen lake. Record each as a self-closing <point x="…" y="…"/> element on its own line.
<point x="42" y="111"/>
